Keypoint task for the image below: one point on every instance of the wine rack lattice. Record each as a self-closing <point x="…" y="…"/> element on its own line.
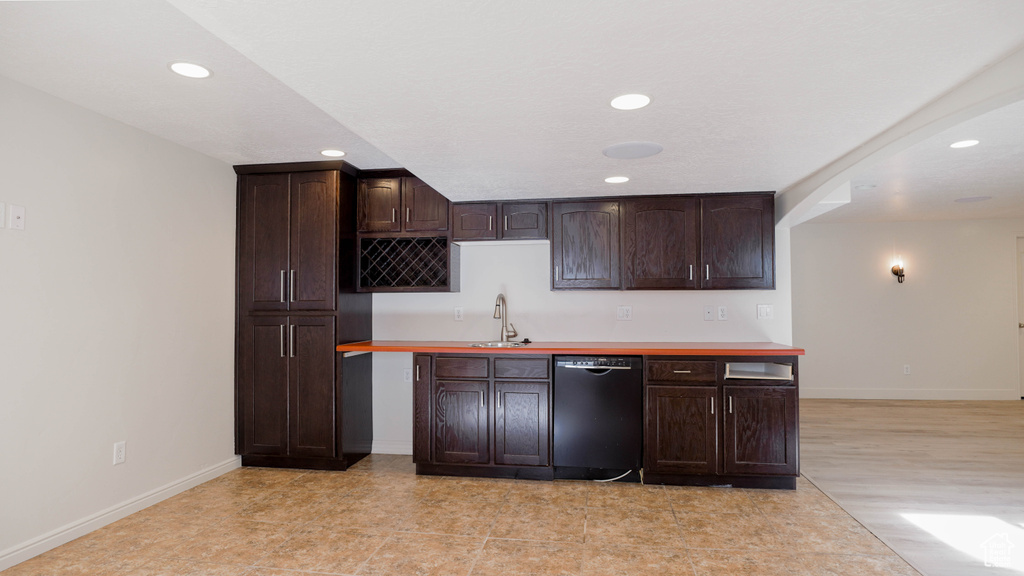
<point x="403" y="262"/>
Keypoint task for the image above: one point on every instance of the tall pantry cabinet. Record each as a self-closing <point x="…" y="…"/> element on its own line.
<point x="299" y="403"/>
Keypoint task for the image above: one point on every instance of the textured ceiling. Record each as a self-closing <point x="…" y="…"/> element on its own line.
<point x="510" y="99"/>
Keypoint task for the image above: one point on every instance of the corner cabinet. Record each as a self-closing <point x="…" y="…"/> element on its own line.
<point x="299" y="403"/>
<point x="481" y="415"/>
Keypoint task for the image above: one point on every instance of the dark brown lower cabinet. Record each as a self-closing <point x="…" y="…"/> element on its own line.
<point x="760" y="430"/>
<point x="482" y="415"/>
<point x="681" y="430"/>
<point x="286" y="378"/>
<point x="521" y="423"/>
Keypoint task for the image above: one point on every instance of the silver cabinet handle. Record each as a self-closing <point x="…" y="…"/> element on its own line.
<point x="282" y="285"/>
<point x="712" y="405"/>
<point x="417" y="372"/>
<point x="497" y="399"/>
<point x="489" y="223"/>
<point x="556" y="273"/>
<point x="730" y="404"/>
<point x="482" y="405"/>
<point x="282" y="340"/>
<point x="291" y="286"/>
<point x="682" y="371"/>
<point x="707" y="271"/>
<point x="394" y="215"/>
<point x="691" y="271"/>
<point x="408" y="214"/>
<point x="506" y="223"/>
<point x="291" y="341"/>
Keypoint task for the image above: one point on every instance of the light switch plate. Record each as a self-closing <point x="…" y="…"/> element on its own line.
<point x="17" y="217"/>
<point x="765" y="312"/>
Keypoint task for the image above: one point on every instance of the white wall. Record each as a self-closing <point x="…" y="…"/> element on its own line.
<point x="954" y="319"/>
<point x="116" y="319"/>
<point x="522" y="272"/>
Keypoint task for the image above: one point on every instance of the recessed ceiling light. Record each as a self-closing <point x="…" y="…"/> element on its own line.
<point x="964" y="144"/>
<point x="332" y="153"/>
<point x="189" y="70"/>
<point x="971" y="199"/>
<point x="865" y="187"/>
<point x="632" y="150"/>
<point x="630" y="101"/>
<point x="616" y="179"/>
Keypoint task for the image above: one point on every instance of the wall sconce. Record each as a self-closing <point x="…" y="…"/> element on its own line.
<point x="897" y="270"/>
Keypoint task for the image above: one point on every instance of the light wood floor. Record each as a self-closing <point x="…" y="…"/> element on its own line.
<point x="939" y="482"/>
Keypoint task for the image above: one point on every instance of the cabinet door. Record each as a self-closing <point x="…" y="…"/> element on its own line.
<point x="314" y="241"/>
<point x="378" y="203"/>
<point x="475" y="221"/>
<point x="263" y="242"/>
<point x="263" y="385"/>
<point x="585" y="245"/>
<point x="761" y="430"/>
<point x="524" y="221"/>
<point x="311" y="386"/>
<point x="681" y="435"/>
<point x="426" y="210"/>
<point x="660" y="243"/>
<point x="521" y="423"/>
<point x="738" y="242"/>
<point x="460" y="422"/>
<point x="421" y="408"/>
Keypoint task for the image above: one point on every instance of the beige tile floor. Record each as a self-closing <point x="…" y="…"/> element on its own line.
<point x="379" y="519"/>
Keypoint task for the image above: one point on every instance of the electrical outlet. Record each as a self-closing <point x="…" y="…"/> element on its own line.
<point x="407" y="375"/>
<point x="119" y="452"/>
<point x="458" y="317"/>
<point x="906" y="369"/>
<point x="722" y="313"/>
<point x="624" y="313"/>
<point x="709" y="313"/>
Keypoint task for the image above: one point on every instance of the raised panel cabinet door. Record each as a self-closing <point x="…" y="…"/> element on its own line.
<point x="760" y="430"/>
<point x="660" y="243"/>
<point x="585" y="245"/>
<point x="378" y="203"/>
<point x="263" y="238"/>
<point x="426" y="210"/>
<point x="475" y="221"/>
<point x="522" y="420"/>
<point x="311" y="394"/>
<point x="524" y="221"/>
<point x="738" y="242"/>
<point x="263" y="385"/>
<point x="681" y="435"/>
<point x="421" y="408"/>
<point x="314" y="241"/>
<point x="460" y="422"/>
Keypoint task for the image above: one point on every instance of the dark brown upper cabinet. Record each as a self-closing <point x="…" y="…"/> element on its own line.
<point x="660" y="238"/>
<point x="400" y="205"/>
<point x="738" y="241"/>
<point x="500" y="221"/>
<point x="585" y="245"/>
<point x="288" y="241"/>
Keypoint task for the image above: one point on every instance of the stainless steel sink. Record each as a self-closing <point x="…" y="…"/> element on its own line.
<point x="498" y="345"/>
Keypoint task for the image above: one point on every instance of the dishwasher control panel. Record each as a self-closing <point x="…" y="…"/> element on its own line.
<point x="592" y="362"/>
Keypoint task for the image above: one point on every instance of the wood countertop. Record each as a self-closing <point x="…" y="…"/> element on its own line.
<point x="584" y="348"/>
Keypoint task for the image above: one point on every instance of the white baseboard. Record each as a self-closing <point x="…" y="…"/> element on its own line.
<point x="392" y="447"/>
<point x="908" y="394"/>
<point x="36" y="546"/>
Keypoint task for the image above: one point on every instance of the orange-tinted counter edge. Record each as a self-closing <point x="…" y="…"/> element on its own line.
<point x="594" y="348"/>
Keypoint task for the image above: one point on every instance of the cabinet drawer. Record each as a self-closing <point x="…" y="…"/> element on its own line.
<point x="461" y="367"/>
<point x="681" y="371"/>
<point x="531" y="368"/>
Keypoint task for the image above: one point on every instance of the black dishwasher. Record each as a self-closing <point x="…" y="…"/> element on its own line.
<point x="598" y="416"/>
